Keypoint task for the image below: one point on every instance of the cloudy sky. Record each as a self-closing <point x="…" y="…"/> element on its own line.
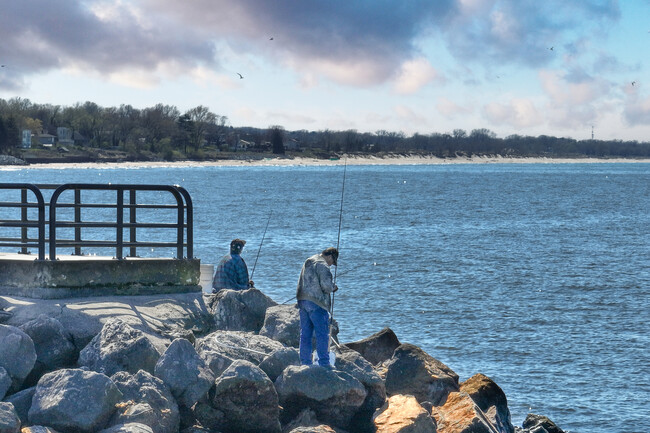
<point x="528" y="67"/>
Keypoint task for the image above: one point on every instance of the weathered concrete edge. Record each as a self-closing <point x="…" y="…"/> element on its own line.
<point x="73" y="278"/>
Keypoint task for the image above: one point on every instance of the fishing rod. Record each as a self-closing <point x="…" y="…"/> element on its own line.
<point x="338" y="239"/>
<point x="260" y="248"/>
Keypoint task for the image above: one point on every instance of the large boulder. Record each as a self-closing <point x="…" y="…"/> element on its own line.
<point x="9" y="420"/>
<point x="185" y="372"/>
<point x="377" y="348"/>
<point x="146" y="400"/>
<point x="282" y="323"/>
<point x="351" y="362"/>
<point x="54" y="346"/>
<point x="220" y="348"/>
<point x="491" y="399"/>
<point x="22" y="401"/>
<point x="18" y="354"/>
<point x="247" y="398"/>
<point x="334" y="396"/>
<point x="119" y="347"/>
<point x="403" y="414"/>
<point x="239" y="310"/>
<point x="74" y="400"/>
<point x="274" y="364"/>
<point x="306" y="422"/>
<point x="540" y="424"/>
<point x="132" y="427"/>
<point x="5" y="382"/>
<point x="411" y="371"/>
<point x="459" y="414"/>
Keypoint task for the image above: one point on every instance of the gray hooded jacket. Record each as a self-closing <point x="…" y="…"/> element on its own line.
<point x="315" y="283"/>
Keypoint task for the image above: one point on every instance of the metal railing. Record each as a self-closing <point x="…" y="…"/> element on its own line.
<point x="122" y="224"/>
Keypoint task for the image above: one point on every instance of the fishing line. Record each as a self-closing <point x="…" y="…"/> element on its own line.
<point x="260" y="248"/>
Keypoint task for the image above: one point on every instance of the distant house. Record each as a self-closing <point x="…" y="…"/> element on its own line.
<point x="243" y="145"/>
<point x="26" y="142"/>
<point x="64" y="136"/>
<point x="292" y="144"/>
<point x="46" y="140"/>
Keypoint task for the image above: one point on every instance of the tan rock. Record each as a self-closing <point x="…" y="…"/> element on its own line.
<point x="491" y="399"/>
<point x="459" y="414"/>
<point x="404" y="414"/>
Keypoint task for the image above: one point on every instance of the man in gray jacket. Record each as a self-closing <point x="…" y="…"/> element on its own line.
<point x="313" y="295"/>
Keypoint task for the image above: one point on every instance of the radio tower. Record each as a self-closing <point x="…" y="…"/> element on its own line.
<point x="592" y="132"/>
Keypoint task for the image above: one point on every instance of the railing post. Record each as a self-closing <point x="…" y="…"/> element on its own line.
<point x="120" y="224"/>
<point x="132" y="220"/>
<point x="77" y="219"/>
<point x="23" y="219"/>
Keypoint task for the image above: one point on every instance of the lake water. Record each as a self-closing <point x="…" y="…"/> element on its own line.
<point x="537" y="275"/>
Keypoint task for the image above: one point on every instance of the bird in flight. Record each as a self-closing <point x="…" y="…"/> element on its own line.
<point x="551" y="48"/>
<point x="240" y="75"/>
<point x="271" y="38"/>
<point x="633" y="83"/>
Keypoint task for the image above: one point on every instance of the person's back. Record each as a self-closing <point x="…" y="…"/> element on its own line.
<point x="232" y="272"/>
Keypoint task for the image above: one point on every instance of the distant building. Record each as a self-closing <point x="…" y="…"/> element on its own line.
<point x="64" y="136"/>
<point x="26" y="142"/>
<point x="243" y="145"/>
<point x="46" y="140"/>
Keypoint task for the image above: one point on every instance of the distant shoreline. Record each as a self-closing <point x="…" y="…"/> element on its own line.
<point x="351" y="160"/>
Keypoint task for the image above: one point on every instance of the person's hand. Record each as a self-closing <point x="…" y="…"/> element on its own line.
<point x="251" y="283"/>
<point x="336" y="288"/>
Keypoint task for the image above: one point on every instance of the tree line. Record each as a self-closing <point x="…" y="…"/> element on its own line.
<point x="164" y="130"/>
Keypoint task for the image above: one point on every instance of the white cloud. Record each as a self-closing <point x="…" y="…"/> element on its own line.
<point x="414" y="75"/>
<point x="450" y="109"/>
<point x="518" y="113"/>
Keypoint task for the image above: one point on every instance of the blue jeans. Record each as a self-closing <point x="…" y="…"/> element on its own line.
<point x="313" y="320"/>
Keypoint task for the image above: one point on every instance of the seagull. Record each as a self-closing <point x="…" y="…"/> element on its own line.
<point x="551" y="48"/>
<point x="633" y="83"/>
<point x="240" y="75"/>
<point x="271" y="38"/>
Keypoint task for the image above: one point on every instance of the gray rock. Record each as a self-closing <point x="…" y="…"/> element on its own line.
<point x="282" y="323"/>
<point x="334" y="396"/>
<point x="146" y="400"/>
<point x="22" y="401"/>
<point x="411" y="371"/>
<point x="54" y="347"/>
<point x="306" y="422"/>
<point x="9" y="420"/>
<point x="185" y="372"/>
<point x="74" y="400"/>
<point x="18" y="354"/>
<point x="274" y="364"/>
<point x="540" y="424"/>
<point x="208" y="417"/>
<point x="132" y="427"/>
<point x="119" y="347"/>
<point x="351" y="362"/>
<point x="222" y="347"/>
<point x="239" y="310"/>
<point x="378" y="347"/>
<point x="247" y="398"/>
<point x="5" y="382"/>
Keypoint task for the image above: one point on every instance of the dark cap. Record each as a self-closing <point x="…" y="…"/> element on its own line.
<point x="332" y="252"/>
<point x="236" y="245"/>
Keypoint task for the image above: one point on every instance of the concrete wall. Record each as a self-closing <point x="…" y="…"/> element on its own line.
<point x="98" y="277"/>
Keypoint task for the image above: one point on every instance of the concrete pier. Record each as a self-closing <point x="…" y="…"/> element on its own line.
<point x="81" y="276"/>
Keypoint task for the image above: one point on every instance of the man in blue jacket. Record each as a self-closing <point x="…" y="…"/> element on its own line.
<point x="313" y="295"/>
<point x="231" y="272"/>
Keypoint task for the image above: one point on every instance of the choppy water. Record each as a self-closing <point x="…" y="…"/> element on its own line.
<point x="536" y="275"/>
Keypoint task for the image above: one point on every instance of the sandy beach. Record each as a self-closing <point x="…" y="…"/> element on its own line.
<point x="349" y="160"/>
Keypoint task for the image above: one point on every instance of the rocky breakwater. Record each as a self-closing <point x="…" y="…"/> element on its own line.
<point x="222" y="363"/>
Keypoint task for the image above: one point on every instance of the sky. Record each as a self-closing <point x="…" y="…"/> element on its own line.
<point x="562" y="68"/>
